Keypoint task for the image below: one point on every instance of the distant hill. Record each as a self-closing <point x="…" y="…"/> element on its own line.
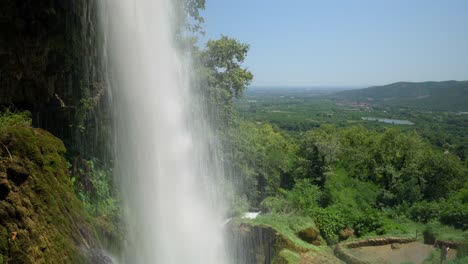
<point x="447" y="96"/>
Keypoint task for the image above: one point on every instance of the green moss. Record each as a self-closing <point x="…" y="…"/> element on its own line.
<point x="287" y="225"/>
<point x="51" y="223"/>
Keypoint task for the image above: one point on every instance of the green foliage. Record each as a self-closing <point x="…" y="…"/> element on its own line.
<point x="304" y="196"/>
<point x="92" y="183"/>
<point x="370" y="221"/>
<point x="425" y="211"/>
<point x="349" y="192"/>
<point x="189" y="18"/>
<point x="275" y="204"/>
<point x="223" y="77"/>
<point x="224" y="58"/>
<point x="98" y="197"/>
<point x="443" y="174"/>
<point x="317" y="148"/>
<point x="14" y="118"/>
<point x="330" y="222"/>
<point x="455" y="213"/>
<point x="258" y="156"/>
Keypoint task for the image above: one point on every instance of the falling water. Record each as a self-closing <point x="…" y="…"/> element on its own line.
<point x="165" y="170"/>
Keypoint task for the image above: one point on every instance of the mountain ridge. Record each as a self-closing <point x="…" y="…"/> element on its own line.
<point x="430" y="95"/>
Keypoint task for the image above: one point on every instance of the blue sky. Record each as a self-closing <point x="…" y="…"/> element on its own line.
<point x="346" y="43"/>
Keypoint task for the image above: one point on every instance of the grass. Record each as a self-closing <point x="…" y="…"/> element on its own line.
<point x="287" y="225"/>
<point x="289" y="256"/>
<point x="447" y="233"/>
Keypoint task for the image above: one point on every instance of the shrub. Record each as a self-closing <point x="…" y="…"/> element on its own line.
<point x="93" y="186"/>
<point x="430" y="233"/>
<point x="370" y="221"/>
<point x="304" y="196"/>
<point x="330" y="222"/>
<point x="274" y="204"/>
<point x="425" y="211"/>
<point x="455" y="214"/>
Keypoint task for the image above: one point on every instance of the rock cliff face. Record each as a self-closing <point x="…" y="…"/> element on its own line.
<point x="50" y="65"/>
<point x="252" y="244"/>
<point x="256" y="244"/>
<point x="41" y="220"/>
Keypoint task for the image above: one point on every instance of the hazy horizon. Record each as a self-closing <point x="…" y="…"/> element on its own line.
<point x="350" y="43"/>
<point x="337" y="87"/>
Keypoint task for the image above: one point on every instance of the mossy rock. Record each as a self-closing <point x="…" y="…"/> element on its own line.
<point x="310" y="235"/>
<point x="41" y="219"/>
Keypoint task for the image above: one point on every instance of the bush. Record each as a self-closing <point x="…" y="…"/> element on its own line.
<point x="330" y="222"/>
<point x="425" y="211"/>
<point x="370" y="221"/>
<point x="304" y="196"/>
<point x="275" y="204"/>
<point x="93" y="186"/>
<point x="455" y="214"/>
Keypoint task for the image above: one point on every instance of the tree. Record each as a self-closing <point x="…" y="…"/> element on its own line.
<point x="223" y="60"/>
<point x="257" y="156"/>
<point x="222" y="77"/>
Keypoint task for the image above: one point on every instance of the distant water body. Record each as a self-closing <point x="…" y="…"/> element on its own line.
<point x="389" y="121"/>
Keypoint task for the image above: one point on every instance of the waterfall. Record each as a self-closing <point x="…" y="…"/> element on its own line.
<point x="164" y="166"/>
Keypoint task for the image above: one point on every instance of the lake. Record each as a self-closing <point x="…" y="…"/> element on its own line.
<point x="388" y="121"/>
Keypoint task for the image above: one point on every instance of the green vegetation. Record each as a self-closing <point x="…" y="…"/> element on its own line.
<point x="297" y="155"/>
<point x="289" y="256"/>
<point x="298" y="110"/>
<point x="93" y="185"/>
<point x="287" y="225"/>
<point x="41" y="217"/>
<point x="9" y="118"/>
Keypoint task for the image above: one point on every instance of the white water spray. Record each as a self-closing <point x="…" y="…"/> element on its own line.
<point x="162" y="161"/>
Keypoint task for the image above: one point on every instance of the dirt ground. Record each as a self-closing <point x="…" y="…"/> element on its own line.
<point x="323" y="257"/>
<point x="414" y="252"/>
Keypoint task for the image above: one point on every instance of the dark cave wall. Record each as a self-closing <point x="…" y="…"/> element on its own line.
<point x="50" y="65"/>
